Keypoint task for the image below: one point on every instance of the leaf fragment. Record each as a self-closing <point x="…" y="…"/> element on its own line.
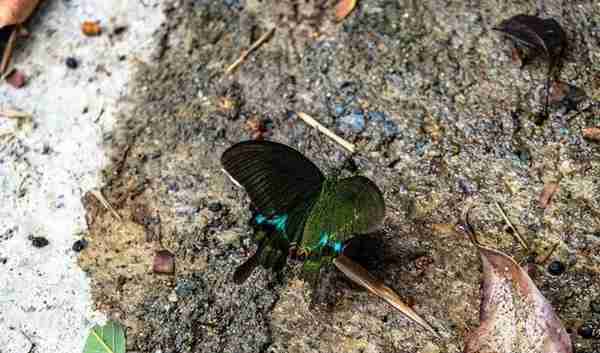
<point x="591" y="133"/>
<point x="545" y="36"/>
<point x="16" y="11"/>
<point x="546" y="196"/>
<point x="344" y="8"/>
<point x="109" y="338"/>
<point x="514" y="315"/>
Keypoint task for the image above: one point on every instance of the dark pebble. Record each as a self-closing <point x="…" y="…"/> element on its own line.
<point x="79" y="245"/>
<point x="215" y="206"/>
<point x="71" y="63"/>
<point x="586" y="331"/>
<point x="556" y="268"/>
<point x="595" y="306"/>
<point x="3" y="260"/>
<point x="39" y="242"/>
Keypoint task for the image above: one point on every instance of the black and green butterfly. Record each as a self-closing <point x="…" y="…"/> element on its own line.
<point x="297" y="207"/>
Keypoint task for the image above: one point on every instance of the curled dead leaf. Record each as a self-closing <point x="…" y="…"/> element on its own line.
<point x="591" y="133"/>
<point x="514" y="315"/>
<point x="343" y="9"/>
<point x="16" y="11"/>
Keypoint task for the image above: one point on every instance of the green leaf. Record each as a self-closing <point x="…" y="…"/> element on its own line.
<point x="109" y="338"/>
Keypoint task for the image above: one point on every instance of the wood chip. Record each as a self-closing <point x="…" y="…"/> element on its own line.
<point x="91" y="28"/>
<point x="549" y="190"/>
<point x="344" y="8"/>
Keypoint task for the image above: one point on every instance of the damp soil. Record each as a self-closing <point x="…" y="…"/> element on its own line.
<point x="444" y="121"/>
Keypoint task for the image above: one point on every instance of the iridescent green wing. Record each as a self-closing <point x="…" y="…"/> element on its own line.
<point x="345" y="208"/>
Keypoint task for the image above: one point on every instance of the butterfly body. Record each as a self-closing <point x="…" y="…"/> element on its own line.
<point x="299" y="207"/>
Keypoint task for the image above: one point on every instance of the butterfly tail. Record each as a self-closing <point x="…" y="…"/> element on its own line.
<point x="243" y="271"/>
<point x="272" y="253"/>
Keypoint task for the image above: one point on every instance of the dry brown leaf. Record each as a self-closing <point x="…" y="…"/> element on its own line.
<point x="591" y="133"/>
<point x="91" y="28"/>
<point x="16" y="11"/>
<point x="343" y="9"/>
<point x="549" y="190"/>
<point x="515" y="316"/>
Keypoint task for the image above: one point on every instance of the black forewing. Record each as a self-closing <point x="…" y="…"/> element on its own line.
<point x="277" y="178"/>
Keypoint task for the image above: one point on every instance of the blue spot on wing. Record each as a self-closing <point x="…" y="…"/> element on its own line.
<point x="278" y="221"/>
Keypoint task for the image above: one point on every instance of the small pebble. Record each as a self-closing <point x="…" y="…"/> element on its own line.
<point x="376" y="116"/>
<point x="39" y="242"/>
<point x="556" y="268"/>
<point x="595" y="306"/>
<point x="71" y="63"/>
<point x="586" y="331"/>
<point x="164" y="262"/>
<point x="352" y="123"/>
<point x="215" y="206"/>
<point x="172" y="297"/>
<point x="79" y="245"/>
<point x="3" y="260"/>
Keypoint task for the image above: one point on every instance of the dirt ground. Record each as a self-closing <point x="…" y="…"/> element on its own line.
<point x="444" y="121"/>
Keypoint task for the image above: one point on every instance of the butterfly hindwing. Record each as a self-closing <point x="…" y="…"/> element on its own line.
<point x="349" y="207"/>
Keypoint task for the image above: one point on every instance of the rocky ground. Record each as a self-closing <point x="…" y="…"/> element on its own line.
<point x="444" y="120"/>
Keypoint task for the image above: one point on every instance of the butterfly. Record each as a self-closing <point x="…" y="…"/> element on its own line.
<point x="299" y="208"/>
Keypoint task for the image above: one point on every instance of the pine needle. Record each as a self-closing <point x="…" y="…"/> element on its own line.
<point x="322" y="129"/>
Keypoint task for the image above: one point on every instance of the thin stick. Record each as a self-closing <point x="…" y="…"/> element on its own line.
<point x="515" y="231"/>
<point x="549" y="253"/>
<point x="10" y="46"/>
<point x="247" y="52"/>
<point x="15" y="114"/>
<point x="312" y="122"/>
<point x="359" y="275"/>
<point x="98" y="195"/>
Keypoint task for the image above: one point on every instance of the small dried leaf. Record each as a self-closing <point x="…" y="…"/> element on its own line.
<point x="343" y="9"/>
<point x="549" y="190"/>
<point x="545" y="36"/>
<point x="164" y="262"/>
<point x="514" y="316"/>
<point x="591" y="133"/>
<point x="564" y="93"/>
<point x="16" y="11"/>
<point x="91" y="28"/>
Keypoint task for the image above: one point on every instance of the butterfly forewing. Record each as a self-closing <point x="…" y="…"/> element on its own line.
<point x="276" y="177"/>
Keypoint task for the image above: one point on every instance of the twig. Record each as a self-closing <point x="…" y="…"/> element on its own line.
<point x="515" y="231"/>
<point x="247" y="52"/>
<point x="10" y="46"/>
<point x="7" y="73"/>
<point x="98" y="195"/>
<point x="15" y="114"/>
<point x="549" y="253"/>
<point x="312" y="122"/>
